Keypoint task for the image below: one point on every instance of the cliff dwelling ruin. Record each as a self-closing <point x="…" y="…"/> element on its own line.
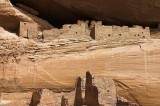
<point x="46" y="47"/>
<point x="81" y="30"/>
<point x="28" y="30"/>
<point x="115" y="33"/>
<point x="89" y="91"/>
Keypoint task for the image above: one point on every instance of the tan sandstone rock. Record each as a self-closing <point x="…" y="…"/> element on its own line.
<point x="10" y="16"/>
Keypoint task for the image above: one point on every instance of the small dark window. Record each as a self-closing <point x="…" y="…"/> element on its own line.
<point x="142" y="32"/>
<point x="69" y="26"/>
<point x="109" y="35"/>
<point x="134" y="35"/>
<point x="120" y="34"/>
<point x="138" y="35"/>
<point x="76" y="32"/>
<point x="24" y="23"/>
<point x="143" y="37"/>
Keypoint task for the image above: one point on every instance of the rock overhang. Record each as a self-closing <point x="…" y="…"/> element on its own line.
<point x="121" y="12"/>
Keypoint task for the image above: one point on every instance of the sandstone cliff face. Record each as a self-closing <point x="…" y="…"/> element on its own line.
<point x="145" y="12"/>
<point x="89" y="91"/>
<point x="28" y="65"/>
<point x="10" y="17"/>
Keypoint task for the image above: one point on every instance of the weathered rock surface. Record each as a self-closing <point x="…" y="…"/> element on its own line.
<point x="10" y="16"/>
<point x="27" y="64"/>
<point x="5" y="35"/>
<point x="99" y="91"/>
<point x="96" y="91"/>
<point x="124" y="102"/>
<point x="15" y="99"/>
<point x="144" y="12"/>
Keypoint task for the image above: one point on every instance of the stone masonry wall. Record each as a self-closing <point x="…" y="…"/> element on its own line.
<point x="81" y="31"/>
<point x="138" y="32"/>
<point x="77" y="31"/>
<point x="118" y="33"/>
<point x="103" y="32"/>
<point x="28" y="30"/>
<point x="69" y="31"/>
<point x="51" y="34"/>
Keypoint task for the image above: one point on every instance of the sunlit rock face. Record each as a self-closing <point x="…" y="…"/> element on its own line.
<point x="55" y="64"/>
<point x="143" y="12"/>
<point x="10" y="17"/>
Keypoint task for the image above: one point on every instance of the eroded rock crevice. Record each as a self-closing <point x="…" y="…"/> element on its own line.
<point x="64" y="101"/>
<point x="91" y="92"/>
<point x="78" y="93"/>
<point x="36" y="96"/>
